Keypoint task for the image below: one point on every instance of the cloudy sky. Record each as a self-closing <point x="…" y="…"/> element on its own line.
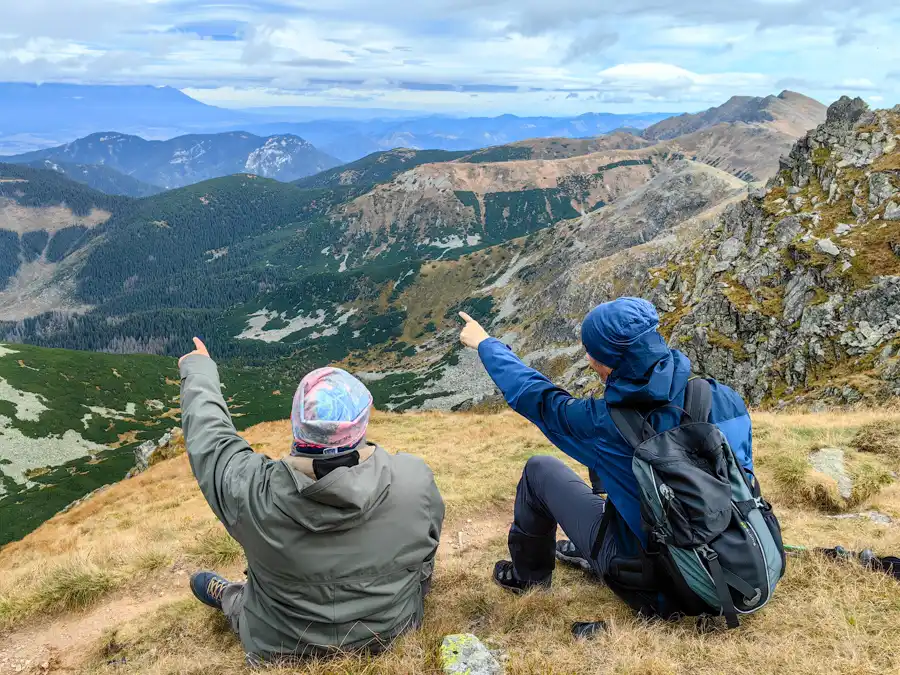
<point x="477" y="56"/>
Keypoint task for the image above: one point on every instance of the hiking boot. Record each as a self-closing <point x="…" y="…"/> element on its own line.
<point x="567" y="552"/>
<point x="208" y="588"/>
<point x="505" y="576"/>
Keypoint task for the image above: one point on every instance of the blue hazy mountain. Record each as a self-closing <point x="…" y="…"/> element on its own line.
<point x="33" y="116"/>
<point x="41" y="116"/>
<point x="189" y="159"/>
<point x="350" y="140"/>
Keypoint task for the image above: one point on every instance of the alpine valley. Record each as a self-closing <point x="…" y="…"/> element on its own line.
<point x="765" y="230"/>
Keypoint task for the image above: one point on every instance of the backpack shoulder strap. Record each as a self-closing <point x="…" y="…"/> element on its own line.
<point x="629" y="423"/>
<point x="698" y="399"/>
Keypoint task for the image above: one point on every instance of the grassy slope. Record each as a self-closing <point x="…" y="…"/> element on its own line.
<point x="123" y="546"/>
<point x="67" y="381"/>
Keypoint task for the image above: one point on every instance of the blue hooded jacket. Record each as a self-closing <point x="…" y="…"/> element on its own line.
<point x="646" y="374"/>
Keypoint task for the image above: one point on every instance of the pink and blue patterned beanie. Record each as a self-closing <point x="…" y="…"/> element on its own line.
<point x="330" y="413"/>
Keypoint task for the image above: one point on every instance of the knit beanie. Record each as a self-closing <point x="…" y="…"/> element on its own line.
<point x="330" y="413"/>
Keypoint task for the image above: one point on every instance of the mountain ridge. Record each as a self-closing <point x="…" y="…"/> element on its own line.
<point x="191" y="158"/>
<point x="789" y="112"/>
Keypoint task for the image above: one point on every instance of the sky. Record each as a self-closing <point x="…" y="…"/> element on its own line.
<point x="462" y="56"/>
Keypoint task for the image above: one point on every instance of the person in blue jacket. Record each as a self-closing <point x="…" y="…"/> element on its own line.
<point x="641" y="372"/>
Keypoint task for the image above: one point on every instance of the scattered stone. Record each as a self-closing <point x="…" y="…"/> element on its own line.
<point x="830" y="461"/>
<point x="874" y="516"/>
<point x="842" y="229"/>
<point x="892" y="211"/>
<point x="466" y="655"/>
<point x="827" y="246"/>
<point x="793" y="190"/>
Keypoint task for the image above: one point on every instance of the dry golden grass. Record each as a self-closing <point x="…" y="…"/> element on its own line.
<point x="149" y="530"/>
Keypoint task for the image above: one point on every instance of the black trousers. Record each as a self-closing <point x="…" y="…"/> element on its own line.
<point x="551" y="494"/>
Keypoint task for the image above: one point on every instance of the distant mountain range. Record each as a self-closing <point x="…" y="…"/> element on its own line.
<point x="351" y="140"/>
<point x="39" y="116"/>
<point x="183" y="160"/>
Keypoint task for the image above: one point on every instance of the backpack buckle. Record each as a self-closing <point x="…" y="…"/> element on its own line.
<point x="708" y="553"/>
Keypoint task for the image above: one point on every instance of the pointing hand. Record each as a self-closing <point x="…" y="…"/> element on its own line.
<point x="200" y="348"/>
<point x="472" y="334"/>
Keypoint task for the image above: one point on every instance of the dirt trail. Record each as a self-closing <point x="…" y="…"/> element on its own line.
<point x="61" y="644"/>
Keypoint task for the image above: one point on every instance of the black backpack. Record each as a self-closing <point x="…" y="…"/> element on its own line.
<point x="714" y="543"/>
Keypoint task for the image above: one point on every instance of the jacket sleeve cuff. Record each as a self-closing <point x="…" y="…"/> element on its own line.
<point x="197" y="364"/>
<point x="489" y="345"/>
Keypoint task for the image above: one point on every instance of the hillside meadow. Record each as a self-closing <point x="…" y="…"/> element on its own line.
<point x="103" y="589"/>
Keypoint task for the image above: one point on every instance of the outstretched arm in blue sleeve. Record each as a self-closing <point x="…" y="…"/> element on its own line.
<point x="556" y="412"/>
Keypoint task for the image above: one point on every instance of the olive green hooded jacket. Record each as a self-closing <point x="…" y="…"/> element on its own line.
<point x="339" y="562"/>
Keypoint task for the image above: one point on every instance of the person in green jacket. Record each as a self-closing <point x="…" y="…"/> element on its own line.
<point x="340" y="537"/>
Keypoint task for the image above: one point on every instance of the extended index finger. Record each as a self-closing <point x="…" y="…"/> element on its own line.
<point x="465" y="317"/>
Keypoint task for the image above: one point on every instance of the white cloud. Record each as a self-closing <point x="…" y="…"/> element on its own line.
<point x="459" y="55"/>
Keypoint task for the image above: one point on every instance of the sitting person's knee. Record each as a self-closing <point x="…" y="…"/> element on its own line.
<point x="540" y="464"/>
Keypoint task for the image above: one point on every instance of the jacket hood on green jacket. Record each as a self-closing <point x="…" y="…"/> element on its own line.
<point x="341" y="500"/>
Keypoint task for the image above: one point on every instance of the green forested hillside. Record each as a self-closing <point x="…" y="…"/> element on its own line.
<point x="58" y="232"/>
<point x="100" y="177"/>
<point x="28" y="186"/>
<point x="70" y="420"/>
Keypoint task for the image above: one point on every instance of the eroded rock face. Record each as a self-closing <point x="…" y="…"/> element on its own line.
<point x="811" y="294"/>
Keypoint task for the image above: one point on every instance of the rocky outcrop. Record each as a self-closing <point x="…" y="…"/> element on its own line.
<point x="797" y="296"/>
<point x="148" y="453"/>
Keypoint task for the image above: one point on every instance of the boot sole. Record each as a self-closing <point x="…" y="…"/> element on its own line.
<point x="574" y="562"/>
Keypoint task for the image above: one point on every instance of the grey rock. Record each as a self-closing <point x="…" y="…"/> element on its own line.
<point x="793" y="190"/>
<point x="730" y="249"/>
<point x="88" y="496"/>
<point x="857" y="210"/>
<point x="892" y="211"/>
<point x="874" y="516"/>
<point x="786" y="229"/>
<point x="880" y="189"/>
<point x="142" y="455"/>
<point x="842" y="229"/>
<point x="844" y="113"/>
<point x="827" y="246"/>
<point x="466" y="655"/>
<point x="830" y="461"/>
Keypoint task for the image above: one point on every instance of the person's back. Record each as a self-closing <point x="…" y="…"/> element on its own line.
<point x="604" y="524"/>
<point x="337" y="562"/>
<point x="340" y="537"/>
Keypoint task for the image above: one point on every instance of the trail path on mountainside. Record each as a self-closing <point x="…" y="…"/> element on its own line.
<point x="61" y="644"/>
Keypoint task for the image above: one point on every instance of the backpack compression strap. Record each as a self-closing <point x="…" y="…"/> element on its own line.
<point x="698" y="399"/>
